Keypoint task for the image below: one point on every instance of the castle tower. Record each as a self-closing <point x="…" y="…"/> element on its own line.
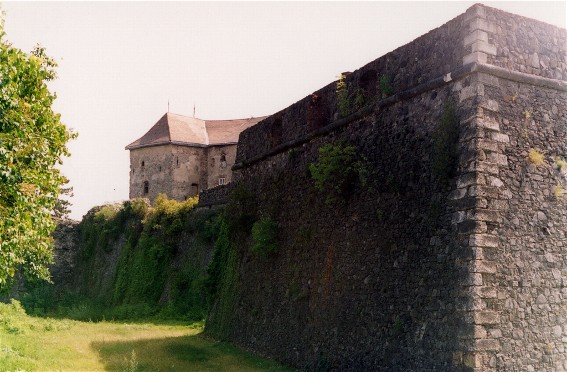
<point x="180" y="156"/>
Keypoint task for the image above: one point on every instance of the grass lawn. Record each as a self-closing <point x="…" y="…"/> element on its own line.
<point x="44" y="344"/>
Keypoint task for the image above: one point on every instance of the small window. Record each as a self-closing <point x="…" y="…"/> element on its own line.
<point x="160" y="168"/>
<point x="177" y="160"/>
<point x="222" y="181"/>
<point x="143" y="163"/>
<point x="223" y="161"/>
<point x="194" y="189"/>
<point x="146" y="187"/>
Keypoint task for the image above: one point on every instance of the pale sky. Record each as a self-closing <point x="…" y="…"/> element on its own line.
<point x="121" y="62"/>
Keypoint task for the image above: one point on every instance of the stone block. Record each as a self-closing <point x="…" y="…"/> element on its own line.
<point x="486" y="292"/>
<point x="484" y="47"/>
<point x="458" y="217"/>
<point x="475" y="11"/>
<point x="487" y="215"/>
<point x="494" y="181"/>
<point x="487" y="79"/>
<point x="483" y="266"/>
<point x="476" y="35"/>
<point x="500" y="137"/>
<point x="489" y="124"/>
<point x="487" y="344"/>
<point x="469" y="179"/>
<point x="484" y="167"/>
<point x="487" y="145"/>
<point x="481" y="24"/>
<point x="490" y="105"/>
<point x="495" y="333"/>
<point x="472" y="90"/>
<point x="457" y="194"/>
<point x="499" y="159"/>
<point x="473" y="360"/>
<point x="501" y="205"/>
<point x="484" y="191"/>
<point x="480" y="332"/>
<point x="486" y="317"/>
<point x="478" y="57"/>
<point x="483" y="240"/>
<point x="473" y="279"/>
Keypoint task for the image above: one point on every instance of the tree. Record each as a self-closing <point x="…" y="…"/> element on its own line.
<point x="61" y="209"/>
<point x="32" y="142"/>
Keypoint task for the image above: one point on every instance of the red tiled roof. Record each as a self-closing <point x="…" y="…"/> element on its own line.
<point x="184" y="130"/>
<point x="227" y="131"/>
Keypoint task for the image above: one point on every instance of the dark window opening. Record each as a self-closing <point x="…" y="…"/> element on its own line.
<point x="146" y="187"/>
<point x="276" y="132"/>
<point x="317" y="112"/>
<point x="194" y="189"/>
<point x="223" y="161"/>
<point x="368" y="82"/>
<point x="143" y="163"/>
<point x="177" y="160"/>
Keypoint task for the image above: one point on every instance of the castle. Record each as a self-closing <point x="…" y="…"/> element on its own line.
<point x="181" y="156"/>
<point x="452" y="254"/>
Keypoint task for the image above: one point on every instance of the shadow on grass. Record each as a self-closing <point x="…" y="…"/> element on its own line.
<point x="184" y="353"/>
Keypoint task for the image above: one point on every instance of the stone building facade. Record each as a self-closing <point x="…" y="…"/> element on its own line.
<point x="414" y="269"/>
<point x="181" y="156"/>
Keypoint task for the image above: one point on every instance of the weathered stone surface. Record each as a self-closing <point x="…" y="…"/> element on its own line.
<point x="476" y="265"/>
<point x="486" y="317"/>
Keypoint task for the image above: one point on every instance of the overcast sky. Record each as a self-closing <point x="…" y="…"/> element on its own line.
<point x="121" y="62"/>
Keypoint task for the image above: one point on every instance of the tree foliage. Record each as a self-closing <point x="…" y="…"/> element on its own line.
<point x="32" y="142"/>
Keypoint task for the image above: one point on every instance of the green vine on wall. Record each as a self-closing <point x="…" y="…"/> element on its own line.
<point x="337" y="171"/>
<point x="264" y="237"/>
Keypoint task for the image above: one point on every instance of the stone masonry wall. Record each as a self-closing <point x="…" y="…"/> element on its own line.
<point x="410" y="272"/>
<point x="371" y="283"/>
<point x="428" y="57"/>
<point x="518" y="317"/>
<point x="170" y="169"/>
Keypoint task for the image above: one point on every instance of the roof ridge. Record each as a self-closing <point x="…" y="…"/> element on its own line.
<point x="168" y="127"/>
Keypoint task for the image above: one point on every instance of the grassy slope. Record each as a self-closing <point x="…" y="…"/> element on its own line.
<point x="30" y="343"/>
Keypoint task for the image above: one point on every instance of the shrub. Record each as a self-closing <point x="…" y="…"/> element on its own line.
<point x="558" y="192"/>
<point x="343" y="102"/>
<point x="337" y="170"/>
<point x="560" y="163"/>
<point x="535" y="157"/>
<point x="264" y="237"/>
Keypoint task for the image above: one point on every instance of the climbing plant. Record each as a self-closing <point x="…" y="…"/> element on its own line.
<point x="337" y="170"/>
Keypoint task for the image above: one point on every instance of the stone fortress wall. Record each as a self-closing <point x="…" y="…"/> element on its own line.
<point x="414" y="271"/>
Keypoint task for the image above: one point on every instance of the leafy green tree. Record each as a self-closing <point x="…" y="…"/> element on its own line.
<point x="62" y="206"/>
<point x="32" y="142"/>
